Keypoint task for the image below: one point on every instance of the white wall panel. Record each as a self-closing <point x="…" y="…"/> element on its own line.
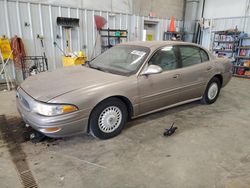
<point x="13" y="23"/>
<point x="124" y="6"/>
<point x="224" y="8"/>
<point x="3" y="29"/>
<point x="40" y="20"/>
<point x="36" y="29"/>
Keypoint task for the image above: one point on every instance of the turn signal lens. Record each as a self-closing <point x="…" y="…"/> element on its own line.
<point x="69" y="108"/>
<point x="50" y="130"/>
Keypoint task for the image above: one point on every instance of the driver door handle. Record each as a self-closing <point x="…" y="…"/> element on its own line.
<point x="176" y="76"/>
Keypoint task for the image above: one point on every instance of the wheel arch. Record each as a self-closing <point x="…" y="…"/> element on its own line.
<point x="220" y="77"/>
<point x="124" y="99"/>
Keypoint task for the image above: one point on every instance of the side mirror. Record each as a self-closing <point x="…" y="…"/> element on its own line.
<point x="152" y="69"/>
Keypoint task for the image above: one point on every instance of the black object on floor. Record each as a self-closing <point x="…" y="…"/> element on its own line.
<point x="170" y="131"/>
<point x="36" y="137"/>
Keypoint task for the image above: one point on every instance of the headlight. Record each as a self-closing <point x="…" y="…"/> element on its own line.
<point x="52" y="110"/>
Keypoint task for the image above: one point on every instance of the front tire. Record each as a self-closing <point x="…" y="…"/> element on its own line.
<point x="108" y="118"/>
<point x="212" y="91"/>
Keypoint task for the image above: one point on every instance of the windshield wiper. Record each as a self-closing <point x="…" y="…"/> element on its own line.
<point x="98" y="68"/>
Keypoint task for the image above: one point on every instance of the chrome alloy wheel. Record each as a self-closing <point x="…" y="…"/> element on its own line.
<point x="110" y="119"/>
<point x="212" y="91"/>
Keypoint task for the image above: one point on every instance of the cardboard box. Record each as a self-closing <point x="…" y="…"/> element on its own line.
<point x="247" y="73"/>
<point x="247" y="63"/>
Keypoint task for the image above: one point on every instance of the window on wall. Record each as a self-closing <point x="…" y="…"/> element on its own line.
<point x="165" y="58"/>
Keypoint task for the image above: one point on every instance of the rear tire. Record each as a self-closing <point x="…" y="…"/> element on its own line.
<point x="108" y="118"/>
<point x="212" y="91"/>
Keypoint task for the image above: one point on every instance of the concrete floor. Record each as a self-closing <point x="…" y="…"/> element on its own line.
<point x="211" y="148"/>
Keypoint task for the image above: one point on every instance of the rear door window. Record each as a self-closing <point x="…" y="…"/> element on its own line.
<point x="190" y="55"/>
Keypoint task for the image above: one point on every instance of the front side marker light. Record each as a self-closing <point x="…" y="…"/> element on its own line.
<point x="69" y="108"/>
<point x="50" y="130"/>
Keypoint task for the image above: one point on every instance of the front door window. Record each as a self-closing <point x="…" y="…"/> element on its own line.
<point x="165" y="58"/>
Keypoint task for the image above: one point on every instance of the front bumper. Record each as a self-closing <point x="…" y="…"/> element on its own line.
<point x="67" y="124"/>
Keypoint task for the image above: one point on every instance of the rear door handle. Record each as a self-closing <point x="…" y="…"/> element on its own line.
<point x="176" y="76"/>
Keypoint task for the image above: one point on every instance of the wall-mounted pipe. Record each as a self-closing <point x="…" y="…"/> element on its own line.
<point x="191" y="13"/>
<point x="183" y="14"/>
<point x="203" y="8"/>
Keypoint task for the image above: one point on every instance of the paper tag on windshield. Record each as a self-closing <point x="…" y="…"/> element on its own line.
<point x="139" y="53"/>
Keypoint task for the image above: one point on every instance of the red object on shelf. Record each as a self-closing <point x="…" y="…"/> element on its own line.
<point x="242" y="52"/>
<point x="240" y="71"/>
<point x="172" y="25"/>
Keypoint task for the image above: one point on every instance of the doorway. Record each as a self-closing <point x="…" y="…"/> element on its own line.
<point x="150" y="30"/>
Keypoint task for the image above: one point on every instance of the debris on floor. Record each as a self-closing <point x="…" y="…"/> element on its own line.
<point x="170" y="131"/>
<point x="36" y="137"/>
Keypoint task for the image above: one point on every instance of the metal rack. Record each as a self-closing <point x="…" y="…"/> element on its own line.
<point x="112" y="37"/>
<point x="225" y="43"/>
<point x="170" y="35"/>
<point x="33" y="65"/>
<point x="243" y="55"/>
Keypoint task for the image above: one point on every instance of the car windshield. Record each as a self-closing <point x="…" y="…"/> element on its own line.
<point x="122" y="60"/>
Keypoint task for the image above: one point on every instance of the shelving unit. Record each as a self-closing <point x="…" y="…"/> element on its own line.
<point x="241" y="67"/>
<point x="169" y="35"/>
<point x="225" y="43"/>
<point x="111" y="37"/>
<point x="33" y="65"/>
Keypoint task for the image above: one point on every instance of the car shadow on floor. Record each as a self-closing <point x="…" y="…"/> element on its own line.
<point x="22" y="133"/>
<point x="162" y="113"/>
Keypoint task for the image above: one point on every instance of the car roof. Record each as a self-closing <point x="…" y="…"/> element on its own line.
<point x="156" y="44"/>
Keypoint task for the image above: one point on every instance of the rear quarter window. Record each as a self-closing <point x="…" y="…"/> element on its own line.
<point x="204" y="55"/>
<point x="190" y="55"/>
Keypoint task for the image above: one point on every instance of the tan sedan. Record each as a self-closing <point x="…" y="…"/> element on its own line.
<point x="127" y="81"/>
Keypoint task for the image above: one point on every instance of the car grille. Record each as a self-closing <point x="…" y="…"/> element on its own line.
<point x="23" y="101"/>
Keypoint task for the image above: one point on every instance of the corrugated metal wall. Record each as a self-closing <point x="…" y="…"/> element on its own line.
<point x="28" y="20"/>
<point x="220" y="24"/>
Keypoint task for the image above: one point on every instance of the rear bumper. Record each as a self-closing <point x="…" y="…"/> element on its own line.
<point x="226" y="78"/>
<point x="67" y="124"/>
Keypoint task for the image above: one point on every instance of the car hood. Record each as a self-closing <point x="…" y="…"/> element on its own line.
<point x="48" y="85"/>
